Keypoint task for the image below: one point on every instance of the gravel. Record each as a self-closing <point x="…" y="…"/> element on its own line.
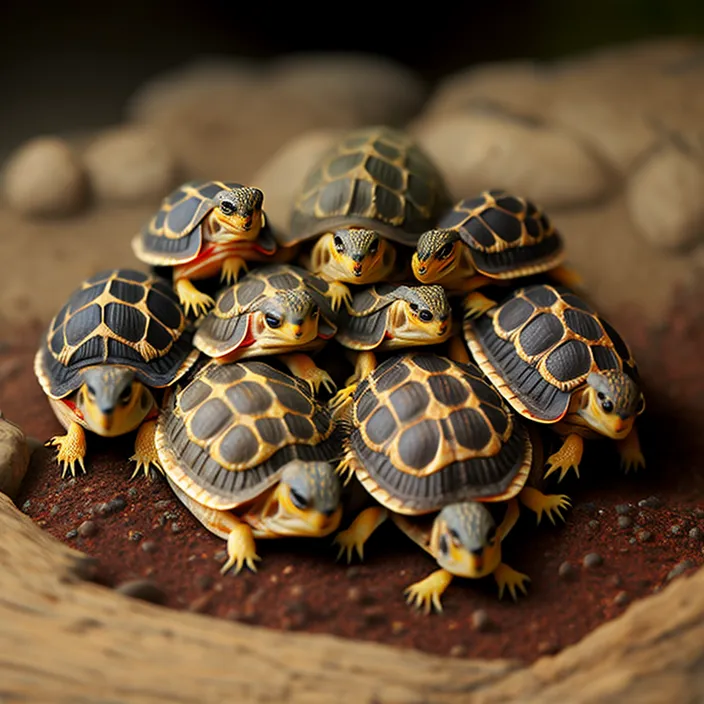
<point x="481" y="621"/>
<point x="679" y="568"/>
<point x="592" y="559"/>
<point x="651" y="502"/>
<point x="623" y="509"/>
<point x="695" y="533"/>
<point x="621" y="599"/>
<point x="644" y="536"/>
<point x="142" y="589"/>
<point x="624" y="522"/>
<point x="566" y="571"/>
<point x="87" y="529"/>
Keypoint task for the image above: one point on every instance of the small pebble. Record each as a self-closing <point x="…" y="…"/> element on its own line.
<point x="624" y="522"/>
<point x="615" y="580"/>
<point x="142" y="589"/>
<point x="566" y="570"/>
<point x="353" y="572"/>
<point x="170" y="515"/>
<point x="695" y="533"/>
<point x="287" y="570"/>
<point x="623" y="509"/>
<point x="87" y="529"/>
<point x="592" y="559"/>
<point x="135" y="536"/>
<point x="548" y="647"/>
<point x="398" y="627"/>
<point x="162" y="505"/>
<point x="26" y="505"/>
<point x="458" y="651"/>
<point x="675" y="530"/>
<point x="54" y="510"/>
<point x="650" y="502"/>
<point x="149" y="546"/>
<point x="132" y="492"/>
<point x="72" y="533"/>
<point x="643" y="518"/>
<point x="176" y="528"/>
<point x="296" y="591"/>
<point x="632" y="541"/>
<point x="354" y="594"/>
<point x="621" y="599"/>
<point x="593" y="524"/>
<point x="220" y="556"/>
<point x="589" y="507"/>
<point x="200" y="603"/>
<point x="698" y="512"/>
<point x="644" y="536"/>
<point x="481" y="621"/>
<point x="679" y="569"/>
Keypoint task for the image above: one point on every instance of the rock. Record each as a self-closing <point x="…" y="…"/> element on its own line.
<point x="481" y="621"/>
<point x="566" y="571"/>
<point x="664" y="200"/>
<point x="142" y="589"/>
<point x="371" y="89"/>
<point x="695" y="533"/>
<point x="282" y="175"/>
<point x="44" y="178"/>
<point x="14" y="457"/>
<point x="644" y="536"/>
<point x="483" y="150"/>
<point x="130" y="164"/>
<point x="149" y="546"/>
<point x="621" y="599"/>
<point x="679" y="569"/>
<point x="624" y="522"/>
<point x="87" y="529"/>
<point x="458" y="651"/>
<point x="650" y="502"/>
<point x="623" y="509"/>
<point x="592" y="560"/>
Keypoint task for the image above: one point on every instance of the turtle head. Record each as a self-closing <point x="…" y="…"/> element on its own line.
<point x="306" y="501"/>
<point x="421" y="316"/>
<point x="464" y="540"/>
<point x="112" y="401"/>
<point x="357" y="255"/>
<point x="437" y="254"/>
<point x="288" y="319"/>
<point x="611" y="402"/>
<point x="238" y="212"/>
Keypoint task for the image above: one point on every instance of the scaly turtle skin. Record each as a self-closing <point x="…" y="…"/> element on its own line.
<point x="557" y="361"/>
<point x="273" y="310"/>
<point x="205" y="228"/>
<point x="248" y="450"/>
<point x="495" y="236"/>
<point x="426" y="432"/>
<point x="119" y="335"/>
<point x="373" y="188"/>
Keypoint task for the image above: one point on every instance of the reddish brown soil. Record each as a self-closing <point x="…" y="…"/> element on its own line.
<point x="300" y="586"/>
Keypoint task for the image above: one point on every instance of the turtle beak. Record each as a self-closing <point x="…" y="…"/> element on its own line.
<point x="106" y="420"/>
<point x="357" y="269"/>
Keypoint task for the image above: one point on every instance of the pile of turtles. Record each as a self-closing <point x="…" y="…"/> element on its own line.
<point x="456" y="330"/>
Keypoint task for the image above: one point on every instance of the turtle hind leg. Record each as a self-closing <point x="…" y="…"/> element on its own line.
<point x="302" y="366"/>
<point x="360" y="530"/>
<point x="145" y="454"/>
<point x="547" y="504"/>
<point x="630" y="451"/>
<point x="567" y="457"/>
<point x="428" y="591"/>
<point x="508" y="578"/>
<point x="191" y="298"/>
<point x="72" y="449"/>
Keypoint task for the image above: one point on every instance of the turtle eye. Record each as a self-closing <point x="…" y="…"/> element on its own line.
<point x="443" y="544"/>
<point x="607" y="405"/>
<point x="425" y="315"/>
<point x="126" y="394"/>
<point x="298" y="500"/>
<point x="227" y="207"/>
<point x="445" y="251"/>
<point x="339" y="244"/>
<point x="90" y="390"/>
<point x="374" y="246"/>
<point x="272" y="320"/>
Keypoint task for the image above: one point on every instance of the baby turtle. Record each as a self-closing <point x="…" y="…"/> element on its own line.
<point x="495" y="236"/>
<point x="374" y="188"/>
<point x="120" y="335"/>
<point x="557" y="361"/>
<point x="202" y="229"/>
<point x="248" y="450"/>
<point x="278" y="310"/>
<point x="431" y="440"/>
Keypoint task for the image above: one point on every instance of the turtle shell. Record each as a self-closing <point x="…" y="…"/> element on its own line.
<point x="173" y="235"/>
<point x="427" y="431"/>
<point x="119" y="317"/>
<point x="540" y="345"/>
<point x="374" y="177"/>
<point x="226" y="327"/>
<point x="509" y="236"/>
<point x="225" y="437"/>
<point x="365" y="324"/>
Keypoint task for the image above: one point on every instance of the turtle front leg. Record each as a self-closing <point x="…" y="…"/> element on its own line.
<point x="360" y="530"/>
<point x="548" y="504"/>
<point x="339" y="293"/>
<point x="72" y="449"/>
<point x="231" y="269"/>
<point x="364" y="365"/>
<point x="630" y="451"/>
<point x="302" y="366"/>
<point x="428" y="591"/>
<point x="476" y="304"/>
<point x="145" y="453"/>
<point x="191" y="298"/>
<point x="567" y="457"/>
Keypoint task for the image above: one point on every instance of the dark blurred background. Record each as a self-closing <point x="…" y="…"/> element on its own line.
<point x="72" y="65"/>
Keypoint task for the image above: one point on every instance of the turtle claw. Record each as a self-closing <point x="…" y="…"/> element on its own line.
<point x="72" y="450"/>
<point x="566" y="458"/>
<point x="231" y="268"/>
<point x="339" y="293"/>
<point x="360" y="530"/>
<point x="549" y="504"/>
<point x="476" y="304"/>
<point x="632" y="458"/>
<point x="427" y="592"/>
<point x="348" y="542"/>
<point x="241" y="550"/>
<point x="508" y="577"/>
<point x="145" y="453"/>
<point x="193" y="299"/>
<point x="342" y="396"/>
